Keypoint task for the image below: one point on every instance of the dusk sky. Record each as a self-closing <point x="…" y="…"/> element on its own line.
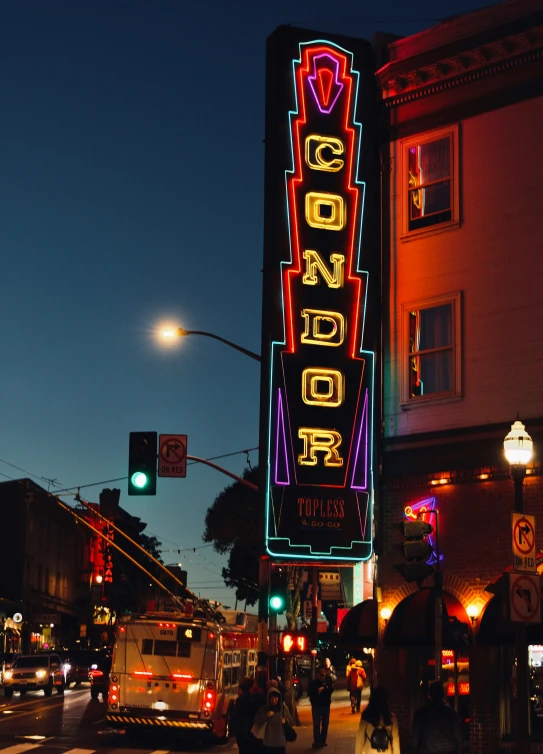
<point x="131" y="170"/>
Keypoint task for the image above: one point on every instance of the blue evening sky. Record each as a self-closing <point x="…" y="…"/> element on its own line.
<point x="131" y="173"/>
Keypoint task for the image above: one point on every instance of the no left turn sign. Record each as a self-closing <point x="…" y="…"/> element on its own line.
<point x="172" y="455"/>
<point x="525" y="597"/>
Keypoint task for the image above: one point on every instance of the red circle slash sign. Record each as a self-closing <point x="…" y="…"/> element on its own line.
<point x="524" y="536"/>
<point x="525" y="597"/>
<point x="172" y="452"/>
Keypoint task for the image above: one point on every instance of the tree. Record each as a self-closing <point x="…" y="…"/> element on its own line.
<point x="233" y="525"/>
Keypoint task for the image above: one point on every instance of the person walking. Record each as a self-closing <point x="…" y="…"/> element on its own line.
<point x="269" y="723"/>
<point x="242" y="717"/>
<point x="355" y="685"/>
<point x="378" y="729"/>
<point x="350" y="666"/>
<point x="320" y="692"/>
<point x="436" y="726"/>
<point x="330" y="669"/>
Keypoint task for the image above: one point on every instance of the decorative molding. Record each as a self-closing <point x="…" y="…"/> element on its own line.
<point x="399" y="85"/>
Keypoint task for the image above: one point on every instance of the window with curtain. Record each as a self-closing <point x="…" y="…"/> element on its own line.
<point x="429" y="182"/>
<point x="431" y="351"/>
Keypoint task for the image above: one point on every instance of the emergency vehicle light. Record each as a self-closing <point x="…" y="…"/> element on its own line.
<point x="142" y="672"/>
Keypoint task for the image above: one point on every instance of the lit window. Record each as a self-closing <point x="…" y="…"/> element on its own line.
<point x="430" y="176"/>
<point x="432" y="347"/>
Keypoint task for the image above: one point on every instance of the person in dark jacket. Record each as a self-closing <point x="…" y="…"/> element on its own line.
<point x="319" y="692"/>
<point x="436" y="726"/>
<point x="271" y="716"/>
<point x="242" y="717"/>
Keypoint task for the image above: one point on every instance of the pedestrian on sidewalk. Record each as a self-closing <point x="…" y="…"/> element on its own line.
<point x="242" y="717"/>
<point x="355" y="685"/>
<point x="378" y="729"/>
<point x="436" y="726"/>
<point x="319" y="692"/>
<point x="269" y="722"/>
<point x="350" y="666"/>
<point x="330" y="669"/>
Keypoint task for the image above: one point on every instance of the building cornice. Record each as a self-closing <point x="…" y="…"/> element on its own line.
<point x="403" y="81"/>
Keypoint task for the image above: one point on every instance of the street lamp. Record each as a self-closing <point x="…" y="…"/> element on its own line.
<point x="518" y="448"/>
<point x="181" y="332"/>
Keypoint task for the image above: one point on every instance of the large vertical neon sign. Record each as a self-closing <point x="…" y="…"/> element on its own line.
<point x="319" y="480"/>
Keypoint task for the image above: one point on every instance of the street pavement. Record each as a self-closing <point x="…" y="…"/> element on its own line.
<point x="76" y="724"/>
<point x="342" y="728"/>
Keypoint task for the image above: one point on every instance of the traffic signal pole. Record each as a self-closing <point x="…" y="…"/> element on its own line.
<point x="314" y="621"/>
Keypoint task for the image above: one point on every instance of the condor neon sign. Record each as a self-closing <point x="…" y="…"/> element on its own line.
<point x="320" y="379"/>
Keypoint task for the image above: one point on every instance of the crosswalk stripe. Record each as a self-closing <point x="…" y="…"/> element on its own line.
<point x="19" y="748"/>
<point x="80" y="751"/>
<point x="160" y="751"/>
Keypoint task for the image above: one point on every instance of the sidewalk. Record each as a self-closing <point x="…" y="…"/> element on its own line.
<point x="342" y="728"/>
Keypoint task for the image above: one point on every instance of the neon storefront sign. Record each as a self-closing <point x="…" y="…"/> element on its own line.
<point x="319" y="479"/>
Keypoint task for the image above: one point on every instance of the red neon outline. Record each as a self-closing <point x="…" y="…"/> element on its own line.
<point x="296" y="178"/>
<point x="325" y="94"/>
<point x="294" y="184"/>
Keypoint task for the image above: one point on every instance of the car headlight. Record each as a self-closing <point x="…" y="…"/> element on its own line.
<point x="67" y="667"/>
<point x="94" y="666"/>
<point x="41" y="673"/>
<point x="8" y="675"/>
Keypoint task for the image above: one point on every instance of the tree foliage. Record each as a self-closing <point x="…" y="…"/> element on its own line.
<point x="234" y="525"/>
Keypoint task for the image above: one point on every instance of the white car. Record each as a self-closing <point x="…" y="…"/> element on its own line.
<point x="30" y="672"/>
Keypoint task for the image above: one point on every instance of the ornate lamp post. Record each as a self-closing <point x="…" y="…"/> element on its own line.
<point x="518" y="448"/>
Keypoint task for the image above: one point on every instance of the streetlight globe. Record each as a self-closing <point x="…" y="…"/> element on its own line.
<point x="385" y="613"/>
<point x="518" y="445"/>
<point x="168" y="333"/>
<point x="473" y="612"/>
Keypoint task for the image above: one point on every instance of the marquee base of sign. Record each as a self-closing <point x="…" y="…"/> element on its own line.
<point x="318" y="515"/>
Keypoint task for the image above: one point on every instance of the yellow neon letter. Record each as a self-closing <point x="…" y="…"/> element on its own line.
<point x="334" y="393"/>
<point x="326" y="441"/>
<point x="313" y="334"/>
<point x="314" y="262"/>
<point x="337" y="217"/>
<point x="316" y="144"/>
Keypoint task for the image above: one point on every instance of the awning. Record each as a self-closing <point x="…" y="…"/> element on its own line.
<point x="412" y="622"/>
<point x="359" y="627"/>
<point x="496" y="629"/>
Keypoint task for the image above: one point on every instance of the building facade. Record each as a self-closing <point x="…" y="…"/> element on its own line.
<point x="462" y="160"/>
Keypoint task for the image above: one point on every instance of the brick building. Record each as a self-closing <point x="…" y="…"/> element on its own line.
<point x="462" y="162"/>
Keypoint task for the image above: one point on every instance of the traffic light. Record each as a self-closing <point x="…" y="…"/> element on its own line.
<point x="278" y="591"/>
<point x="294" y="643"/>
<point x="416" y="550"/>
<point x="142" y="459"/>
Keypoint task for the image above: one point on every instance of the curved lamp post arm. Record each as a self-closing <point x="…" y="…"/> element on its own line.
<point x="251" y="354"/>
<point x="224" y="471"/>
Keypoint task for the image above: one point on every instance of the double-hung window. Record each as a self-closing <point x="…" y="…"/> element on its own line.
<point x="430" y="182"/>
<point x="431" y="360"/>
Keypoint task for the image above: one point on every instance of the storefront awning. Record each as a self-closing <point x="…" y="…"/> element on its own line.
<point x="359" y="627"/>
<point x="412" y="622"/>
<point x="495" y="628"/>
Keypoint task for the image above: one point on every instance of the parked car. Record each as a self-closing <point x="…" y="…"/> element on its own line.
<point x="99" y="677"/>
<point x="35" y="672"/>
<point x="77" y="664"/>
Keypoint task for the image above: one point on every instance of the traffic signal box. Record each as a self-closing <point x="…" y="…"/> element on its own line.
<point x="416" y="550"/>
<point x="294" y="643"/>
<point x="278" y="594"/>
<point x="142" y="463"/>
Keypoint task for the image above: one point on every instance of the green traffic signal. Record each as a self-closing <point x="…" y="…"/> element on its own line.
<point x="277" y="603"/>
<point x="139" y="479"/>
<point x="142" y="463"/>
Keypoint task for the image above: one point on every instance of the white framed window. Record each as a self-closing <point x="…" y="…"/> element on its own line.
<point x="431" y="350"/>
<point x="430" y="182"/>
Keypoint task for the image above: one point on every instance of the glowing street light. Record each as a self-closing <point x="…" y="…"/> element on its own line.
<point x="180" y="332"/>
